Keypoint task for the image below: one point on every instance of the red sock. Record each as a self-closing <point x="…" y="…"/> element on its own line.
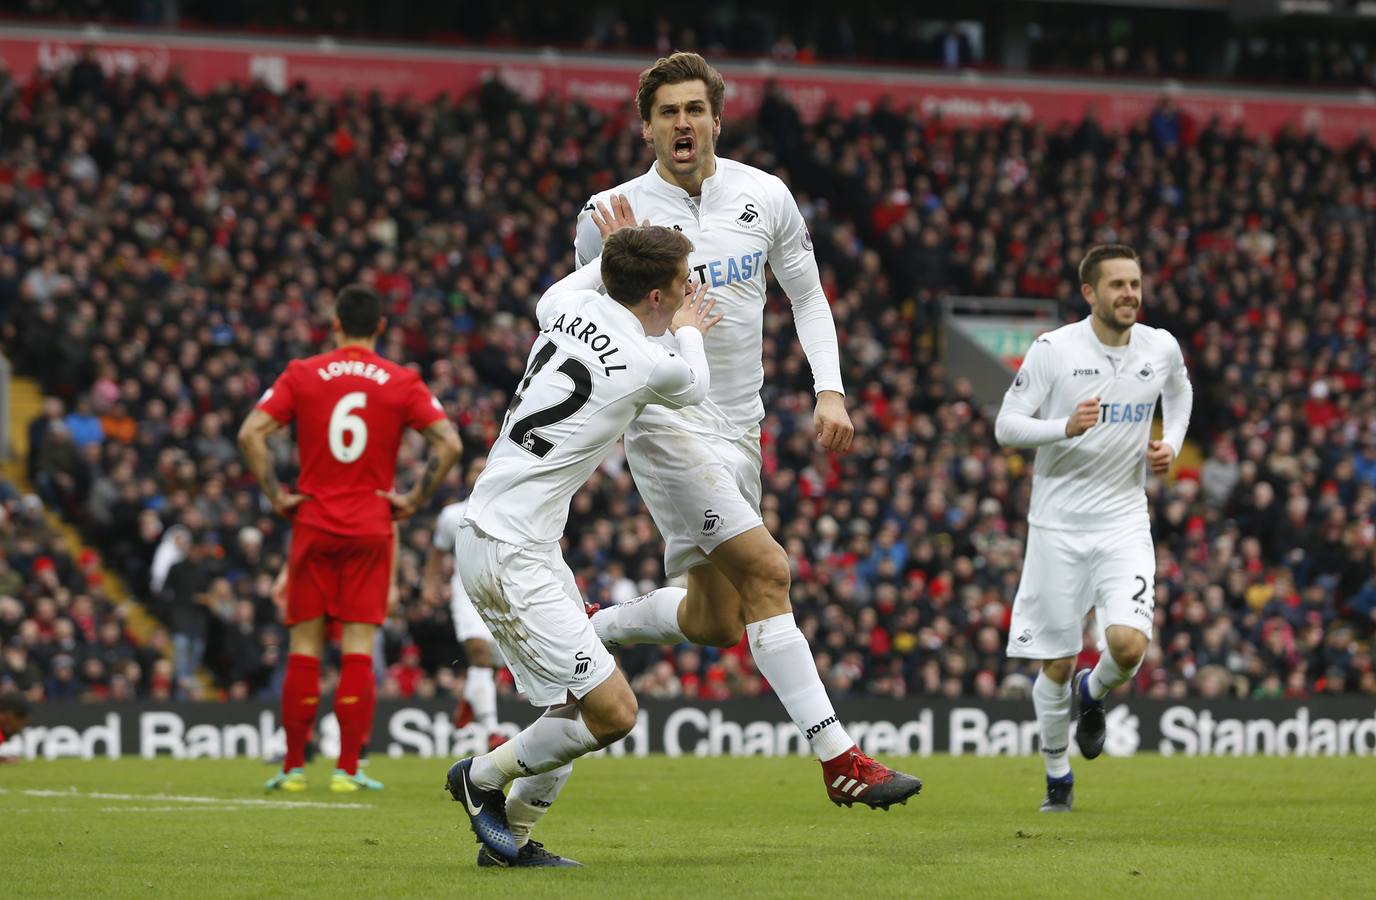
<point x="353" y="707"/>
<point x="300" y="702"/>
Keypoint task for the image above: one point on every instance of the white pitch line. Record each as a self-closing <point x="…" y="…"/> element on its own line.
<point x="177" y="798"/>
<point x="172" y="809"/>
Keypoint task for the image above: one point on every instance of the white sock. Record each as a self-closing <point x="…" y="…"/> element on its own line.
<point x="1107" y="675"/>
<point x="1052" y="701"/>
<point x="480" y="690"/>
<point x="648" y="619"/>
<point x="785" y="660"/>
<point x="547" y="743"/>
<point x="531" y="797"/>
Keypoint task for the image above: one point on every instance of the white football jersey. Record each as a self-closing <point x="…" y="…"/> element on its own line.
<point x="744" y="218"/>
<point x="590" y="372"/>
<point x="1097" y="479"/>
<point x="446" y="529"/>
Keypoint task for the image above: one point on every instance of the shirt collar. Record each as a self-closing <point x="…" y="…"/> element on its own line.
<point x="620" y="310"/>
<point x="665" y="188"/>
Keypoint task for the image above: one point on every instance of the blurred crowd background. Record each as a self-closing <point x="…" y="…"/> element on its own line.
<point x="163" y="254"/>
<point x="1260" y="41"/>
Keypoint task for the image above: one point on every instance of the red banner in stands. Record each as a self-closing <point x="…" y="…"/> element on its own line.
<point x="608" y="83"/>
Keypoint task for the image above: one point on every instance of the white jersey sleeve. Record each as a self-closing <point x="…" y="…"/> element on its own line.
<point x="1177" y="401"/>
<point x="447" y="526"/>
<point x="795" y="267"/>
<point x="586" y="278"/>
<point x="682" y="380"/>
<point x="587" y="238"/>
<point x="1017" y="424"/>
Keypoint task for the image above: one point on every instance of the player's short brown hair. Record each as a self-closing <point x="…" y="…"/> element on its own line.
<point x="359" y="309"/>
<point x="677" y="68"/>
<point x="1089" y="266"/>
<point x="635" y="261"/>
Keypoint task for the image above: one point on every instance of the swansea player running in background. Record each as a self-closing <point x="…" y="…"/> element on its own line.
<point x="699" y="469"/>
<point x="591" y="371"/>
<point x="479" y="703"/>
<point x="1085" y="397"/>
<point x="350" y="407"/>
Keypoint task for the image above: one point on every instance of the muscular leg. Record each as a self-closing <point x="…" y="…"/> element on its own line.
<point x="1051" y="698"/>
<point x="757" y="568"/>
<point x="710" y="613"/>
<point x="479" y="685"/>
<point x="301" y="689"/>
<point x="356" y="696"/>
<point x="604" y="716"/>
<point x="1126" y="647"/>
<point x="713" y="613"/>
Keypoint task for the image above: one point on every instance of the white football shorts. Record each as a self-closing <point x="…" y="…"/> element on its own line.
<point x="468" y="624"/>
<point x="1067" y="573"/>
<point x="530" y="602"/>
<point x="701" y="489"/>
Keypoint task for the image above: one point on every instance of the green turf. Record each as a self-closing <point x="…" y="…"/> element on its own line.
<point x="660" y="827"/>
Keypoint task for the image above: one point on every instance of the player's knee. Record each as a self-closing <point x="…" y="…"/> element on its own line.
<point x="478" y="653"/>
<point x="1058" y="670"/>
<point x="722" y="633"/>
<point x="616" y="720"/>
<point x="769" y="574"/>
<point x="1128" y="649"/>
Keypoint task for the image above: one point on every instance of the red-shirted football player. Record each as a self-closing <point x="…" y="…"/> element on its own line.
<point x="14" y="718"/>
<point x="350" y="407"/>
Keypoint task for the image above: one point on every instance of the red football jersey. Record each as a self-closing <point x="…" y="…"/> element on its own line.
<point x="351" y="408"/>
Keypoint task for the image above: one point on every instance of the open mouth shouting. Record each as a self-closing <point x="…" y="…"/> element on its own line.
<point x="684" y="148"/>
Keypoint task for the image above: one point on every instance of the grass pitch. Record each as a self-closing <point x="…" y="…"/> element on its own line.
<point x="659" y="827"/>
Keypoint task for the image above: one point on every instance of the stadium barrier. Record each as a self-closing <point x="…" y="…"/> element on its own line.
<point x="607" y="82"/>
<point x="1324" y="726"/>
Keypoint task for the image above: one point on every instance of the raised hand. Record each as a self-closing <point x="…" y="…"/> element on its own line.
<point x="696" y="310"/>
<point x="619" y="216"/>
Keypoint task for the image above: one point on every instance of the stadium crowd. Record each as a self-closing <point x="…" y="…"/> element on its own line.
<point x="163" y="254"/>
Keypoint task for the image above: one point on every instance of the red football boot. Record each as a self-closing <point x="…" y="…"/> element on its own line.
<point x="853" y="777"/>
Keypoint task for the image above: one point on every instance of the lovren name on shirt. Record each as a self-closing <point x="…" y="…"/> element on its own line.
<point x="338" y="368"/>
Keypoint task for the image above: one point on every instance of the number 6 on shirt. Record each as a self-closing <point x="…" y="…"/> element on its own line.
<point x="343" y="423"/>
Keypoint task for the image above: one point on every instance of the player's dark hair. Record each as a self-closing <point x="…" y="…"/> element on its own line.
<point x="14" y="703"/>
<point x="359" y="309"/>
<point x="635" y="261"/>
<point x="1089" y="266"/>
<point x="677" y="68"/>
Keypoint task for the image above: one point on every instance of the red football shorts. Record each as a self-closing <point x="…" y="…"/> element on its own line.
<point x="345" y="578"/>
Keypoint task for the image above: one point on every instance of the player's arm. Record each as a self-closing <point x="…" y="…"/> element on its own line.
<point x="445" y="449"/>
<point x="684" y="379"/>
<point x="441" y="545"/>
<point x="253" y="442"/>
<point x="432" y="577"/>
<point x="587" y="237"/>
<point x="1017" y="424"/>
<point x="279" y="591"/>
<point x="795" y="267"/>
<point x="588" y="278"/>
<point x="1177" y="402"/>
<point x="393" y="587"/>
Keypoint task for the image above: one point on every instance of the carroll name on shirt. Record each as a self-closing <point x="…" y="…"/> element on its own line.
<point x="587" y="332"/>
<point x="354" y="367"/>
